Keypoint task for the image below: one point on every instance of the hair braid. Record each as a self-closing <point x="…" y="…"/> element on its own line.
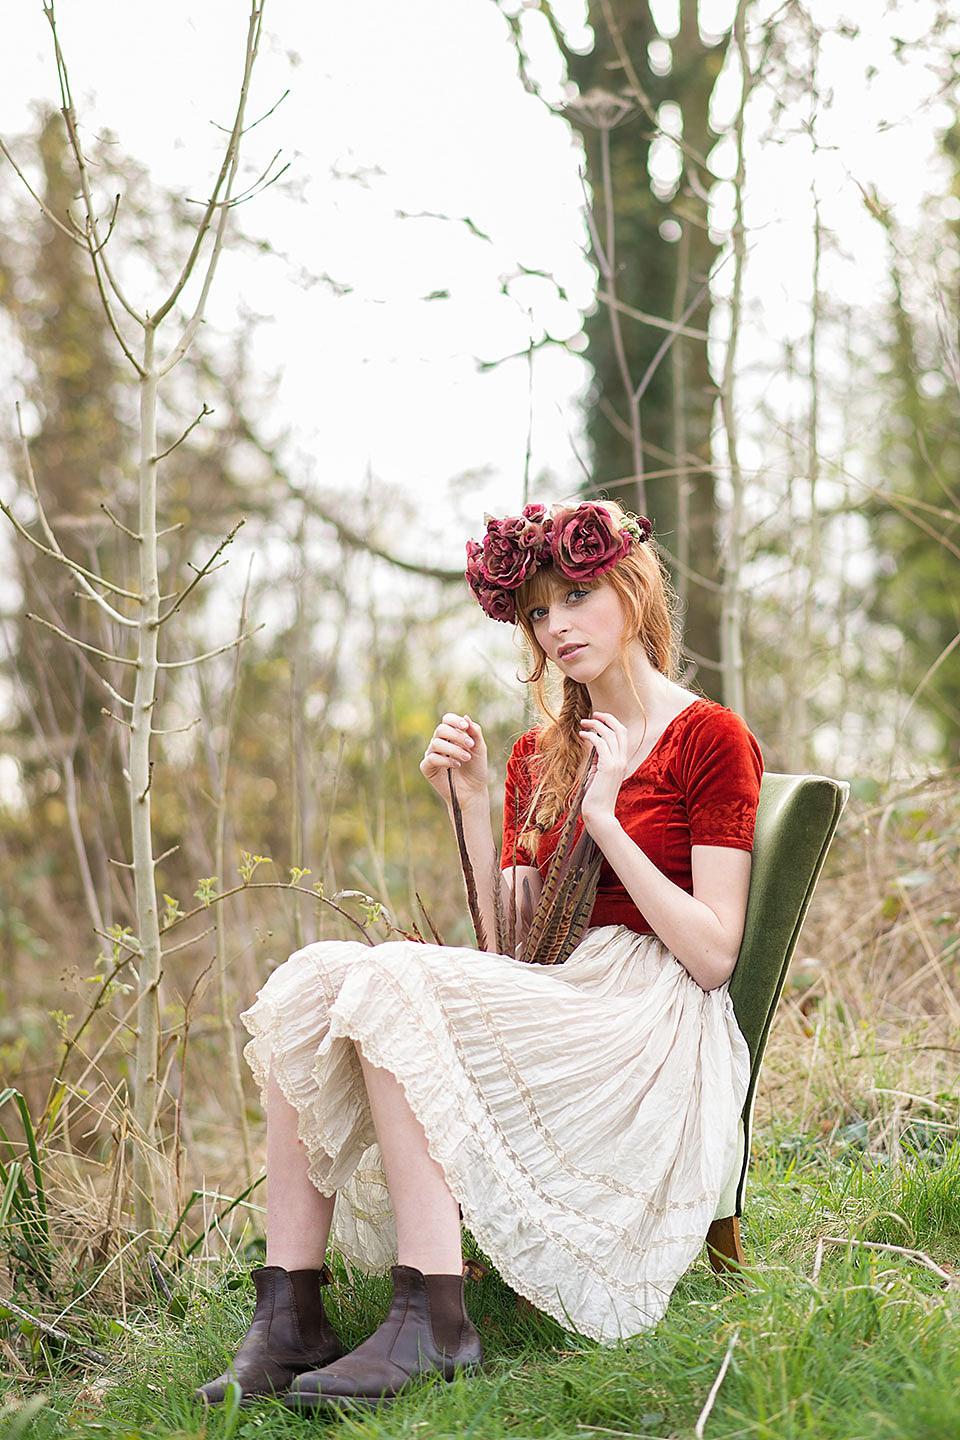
<point x="560" y="757"/>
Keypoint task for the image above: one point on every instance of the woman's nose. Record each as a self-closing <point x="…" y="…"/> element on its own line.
<point x="556" y="620"/>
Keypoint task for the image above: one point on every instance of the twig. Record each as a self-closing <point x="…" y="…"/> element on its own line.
<point x="156" y="1275"/>
<point x="668" y="341"/>
<point x="87" y="578"/>
<point x="81" y="644"/>
<point x="223" y="184"/>
<point x="119" y="523"/>
<point x="208" y="654"/>
<point x="623" y="1434"/>
<point x="192" y="426"/>
<point x="93" y="1355"/>
<point x="204" y="569"/>
<point x="356" y="541"/>
<point x="270" y="885"/>
<point x="437" y="937"/>
<point x="918" y="1255"/>
<point x="702" y="1418"/>
<point x="657" y="322"/>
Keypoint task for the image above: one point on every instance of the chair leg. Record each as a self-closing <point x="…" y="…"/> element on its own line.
<point x="723" y="1244"/>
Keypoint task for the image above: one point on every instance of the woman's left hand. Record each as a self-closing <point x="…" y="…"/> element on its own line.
<point x="608" y="738"/>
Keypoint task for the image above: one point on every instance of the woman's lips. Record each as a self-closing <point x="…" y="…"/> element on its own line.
<point x="566" y="651"/>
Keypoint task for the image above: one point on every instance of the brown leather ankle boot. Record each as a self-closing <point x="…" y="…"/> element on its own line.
<point x="289" y="1333"/>
<point x="427" y="1331"/>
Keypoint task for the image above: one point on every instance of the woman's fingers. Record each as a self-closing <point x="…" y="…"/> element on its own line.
<point x="455" y="742"/>
<point x="605" y="733"/>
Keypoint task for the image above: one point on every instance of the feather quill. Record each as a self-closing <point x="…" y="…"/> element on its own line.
<point x="466" y="865"/>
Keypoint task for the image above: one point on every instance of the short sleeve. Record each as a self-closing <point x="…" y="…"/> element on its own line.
<point x="517" y="794"/>
<point x="722" y="783"/>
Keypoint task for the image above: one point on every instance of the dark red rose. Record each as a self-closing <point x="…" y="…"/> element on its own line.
<point x="536" y="531"/>
<point x="494" y="600"/>
<point x="506" y="561"/>
<point x="474" y="559"/>
<point x="585" y="542"/>
<point x="497" y="603"/>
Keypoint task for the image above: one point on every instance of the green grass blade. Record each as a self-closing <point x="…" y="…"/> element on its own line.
<point x="191" y="1249"/>
<point x="231" y="1410"/>
<point x="34" y="1153"/>
<point x="14" y="1180"/>
<point x="20" y="1420"/>
<point x="180" y="1219"/>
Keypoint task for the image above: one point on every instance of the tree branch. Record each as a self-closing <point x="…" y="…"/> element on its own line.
<point x="224" y="183"/>
<point x="208" y="654"/>
<point x="80" y="644"/>
<point x="192" y="426"/>
<point x="204" y="570"/>
<point x="86" y="578"/>
<point x="92" y="238"/>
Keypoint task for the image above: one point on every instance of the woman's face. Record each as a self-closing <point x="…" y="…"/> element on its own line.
<point x="579" y="627"/>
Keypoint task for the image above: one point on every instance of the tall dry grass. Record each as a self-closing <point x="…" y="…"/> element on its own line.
<point x="866" y="1044"/>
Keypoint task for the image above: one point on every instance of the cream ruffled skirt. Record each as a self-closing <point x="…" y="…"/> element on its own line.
<point x="585" y="1115"/>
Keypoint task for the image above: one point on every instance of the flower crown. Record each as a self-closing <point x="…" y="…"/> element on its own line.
<point x="583" y="543"/>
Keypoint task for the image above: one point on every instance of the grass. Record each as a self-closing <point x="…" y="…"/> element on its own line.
<point x="856" y="1342"/>
<point x="829" y="1335"/>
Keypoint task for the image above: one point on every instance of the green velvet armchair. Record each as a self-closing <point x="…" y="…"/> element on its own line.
<point x="796" y="821"/>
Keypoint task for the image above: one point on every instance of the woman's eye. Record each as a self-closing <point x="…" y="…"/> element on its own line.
<point x="577" y="594"/>
<point x="537" y="614"/>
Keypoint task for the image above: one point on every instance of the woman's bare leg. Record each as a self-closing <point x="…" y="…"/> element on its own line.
<point x="298" y="1216"/>
<point x="427" y="1216"/>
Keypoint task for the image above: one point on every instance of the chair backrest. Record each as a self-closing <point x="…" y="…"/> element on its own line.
<point x="796" y="820"/>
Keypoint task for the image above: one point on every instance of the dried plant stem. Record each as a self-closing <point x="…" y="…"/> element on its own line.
<point x="466" y="864"/>
<point x="708" y="1404"/>
<point x="917" y="1255"/>
<point x="225" y="1003"/>
<point x="94" y="1356"/>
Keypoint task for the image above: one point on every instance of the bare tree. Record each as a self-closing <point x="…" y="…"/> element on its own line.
<point x="153" y="343"/>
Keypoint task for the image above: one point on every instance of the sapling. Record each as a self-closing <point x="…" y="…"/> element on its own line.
<point x="154" y="341"/>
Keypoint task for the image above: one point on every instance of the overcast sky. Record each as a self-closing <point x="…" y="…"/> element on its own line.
<point x="422" y="101"/>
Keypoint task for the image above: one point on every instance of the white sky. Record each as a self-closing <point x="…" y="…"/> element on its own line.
<point x="422" y="92"/>
<point x="424" y="95"/>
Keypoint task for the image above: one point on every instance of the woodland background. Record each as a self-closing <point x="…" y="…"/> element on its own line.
<point x="793" y="435"/>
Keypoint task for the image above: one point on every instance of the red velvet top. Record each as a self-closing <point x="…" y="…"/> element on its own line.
<point x="698" y="786"/>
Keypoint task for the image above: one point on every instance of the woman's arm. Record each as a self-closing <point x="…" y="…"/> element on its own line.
<point x="702" y="930"/>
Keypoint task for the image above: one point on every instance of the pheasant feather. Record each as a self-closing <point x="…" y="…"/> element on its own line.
<point x="569" y="890"/>
<point x="466" y="865"/>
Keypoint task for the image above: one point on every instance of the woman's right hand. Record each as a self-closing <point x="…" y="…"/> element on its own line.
<point x="457" y="744"/>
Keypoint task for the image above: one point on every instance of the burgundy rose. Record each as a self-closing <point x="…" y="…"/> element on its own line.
<point x="494" y="600"/>
<point x="585" y="542"/>
<point x="536" y="533"/>
<point x="506" y="560"/>
<point x="497" y="603"/>
<point x="474" y="559"/>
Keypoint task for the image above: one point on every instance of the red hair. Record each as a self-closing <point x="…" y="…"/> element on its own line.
<point x="641" y="582"/>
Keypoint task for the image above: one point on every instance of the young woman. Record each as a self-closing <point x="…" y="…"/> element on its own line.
<point x="581" y="1119"/>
